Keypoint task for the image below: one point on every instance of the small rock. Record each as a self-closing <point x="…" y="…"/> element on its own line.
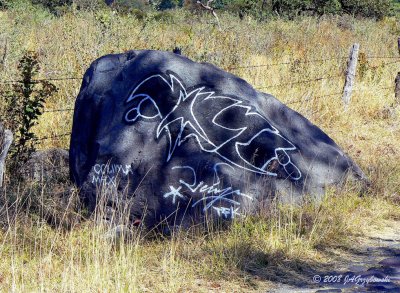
<point x="47" y="165"/>
<point x="118" y="233"/>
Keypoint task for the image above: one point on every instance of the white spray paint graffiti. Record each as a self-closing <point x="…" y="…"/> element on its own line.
<point x="183" y="114"/>
<point x="225" y="212"/>
<point x="174" y="193"/>
<point x="211" y="194"/>
<point x="106" y="174"/>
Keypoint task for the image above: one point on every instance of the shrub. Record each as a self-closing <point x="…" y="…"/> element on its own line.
<point x="242" y="7"/>
<point x="90" y="4"/>
<point x="327" y="6"/>
<point x="127" y="6"/>
<point x="24" y="104"/>
<point x="292" y="8"/>
<point x="52" y="5"/>
<point x="368" y="8"/>
<point x="167" y="4"/>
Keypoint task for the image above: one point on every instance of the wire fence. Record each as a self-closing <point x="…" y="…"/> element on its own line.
<point x="383" y="57"/>
<point x="282" y="85"/>
<point x="293" y="62"/>
<point x="286" y="84"/>
<point x="293" y="102"/>
<point x="59" y="110"/>
<point x="35" y="81"/>
<point x="299" y="61"/>
<point x="57" y="136"/>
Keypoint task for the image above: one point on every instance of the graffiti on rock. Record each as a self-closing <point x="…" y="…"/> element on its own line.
<point x="224" y="200"/>
<point x="220" y="124"/>
<point x="106" y="174"/>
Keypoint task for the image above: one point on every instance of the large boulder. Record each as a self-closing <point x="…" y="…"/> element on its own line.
<point x="182" y="141"/>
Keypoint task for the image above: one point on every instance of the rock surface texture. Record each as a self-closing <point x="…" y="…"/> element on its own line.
<point x="161" y="135"/>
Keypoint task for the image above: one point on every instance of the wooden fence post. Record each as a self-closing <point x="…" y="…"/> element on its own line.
<point x="397" y="81"/>
<point x="398" y="44"/>
<point x="397" y="89"/>
<point x="350" y="74"/>
<point x="3" y="57"/>
<point x="6" y="138"/>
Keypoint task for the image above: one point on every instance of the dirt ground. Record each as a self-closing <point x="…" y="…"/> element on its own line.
<point x="371" y="263"/>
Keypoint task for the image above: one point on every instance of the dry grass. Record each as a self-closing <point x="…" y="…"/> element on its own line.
<point x="285" y="243"/>
<point x="282" y="245"/>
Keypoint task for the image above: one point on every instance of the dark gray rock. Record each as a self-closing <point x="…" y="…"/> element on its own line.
<point x="47" y="165"/>
<point x="46" y="183"/>
<point x="159" y="134"/>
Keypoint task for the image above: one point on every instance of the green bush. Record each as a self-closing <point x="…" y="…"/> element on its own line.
<point x="368" y="8"/>
<point x="91" y="5"/>
<point x="6" y="4"/>
<point x="259" y="8"/>
<point x="292" y="8"/>
<point x="327" y="6"/>
<point x="52" y="5"/>
<point x="244" y="6"/>
<point x="167" y="4"/>
<point x="24" y="103"/>
<point x="127" y="5"/>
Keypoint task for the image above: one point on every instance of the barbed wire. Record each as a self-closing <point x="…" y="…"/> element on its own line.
<point x="382" y="57"/>
<point x="312" y="98"/>
<point x="282" y="84"/>
<point x="307" y="99"/>
<point x="388" y="63"/>
<point x="34" y="81"/>
<point x="59" y="110"/>
<point x="52" y="137"/>
<point x="293" y="102"/>
<point x="288" y="103"/>
<point x="296" y="61"/>
<point x="58" y="79"/>
<point x="300" y="82"/>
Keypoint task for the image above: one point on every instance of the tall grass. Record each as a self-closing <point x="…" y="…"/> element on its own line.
<point x="281" y="245"/>
<point x="285" y="242"/>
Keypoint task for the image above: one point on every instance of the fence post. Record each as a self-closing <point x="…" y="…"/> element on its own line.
<point x="397" y="89"/>
<point x="350" y="74"/>
<point x="398" y="44"/>
<point x="397" y="81"/>
<point x="3" y="58"/>
<point x="6" y="138"/>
